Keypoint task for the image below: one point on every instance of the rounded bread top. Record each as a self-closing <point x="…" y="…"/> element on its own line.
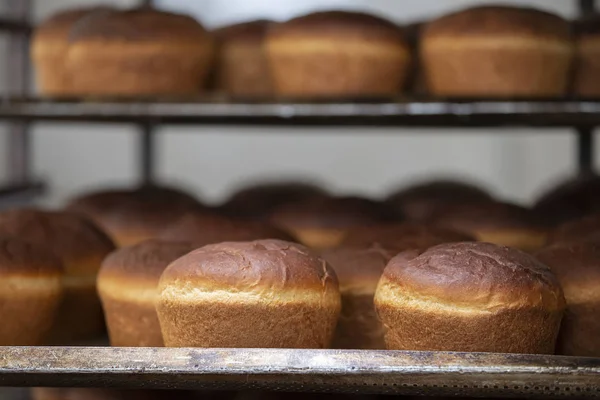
<point x="151" y="208"/>
<point x="582" y="229"/>
<point x="329" y="212"/>
<point x="490" y="21"/>
<point x="138" y="25"/>
<point x="343" y="25"/>
<point x="258" y="200"/>
<point x="483" y="276"/>
<point x="78" y="242"/>
<point x="251" y="32"/>
<point x="487" y="216"/>
<point x="59" y="25"/>
<point x="272" y="269"/>
<point x="403" y="236"/>
<point x="145" y="261"/>
<point x="203" y="229"/>
<point x="21" y="258"/>
<point x="577" y="267"/>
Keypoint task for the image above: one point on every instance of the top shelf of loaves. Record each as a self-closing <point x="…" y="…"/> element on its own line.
<point x="324" y="67"/>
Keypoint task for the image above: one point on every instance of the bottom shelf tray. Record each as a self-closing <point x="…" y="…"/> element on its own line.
<point x="347" y="371"/>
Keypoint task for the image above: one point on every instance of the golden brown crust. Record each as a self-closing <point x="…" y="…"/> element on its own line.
<point x="577" y="266"/>
<point x="132" y="216"/>
<point x="127" y="285"/>
<point x="472" y="297"/>
<point x="403" y="236"/>
<point x="479" y="275"/>
<point x="30" y="292"/>
<point x="573" y="198"/>
<point x="329" y="212"/>
<point x="58" y="26"/>
<point x="472" y="217"/>
<point x="94" y="394"/>
<point x="358" y="270"/>
<point x="267" y="293"/>
<point x="203" y="229"/>
<point x="340" y="25"/>
<point x="81" y="247"/>
<point x="582" y="229"/>
<point x="75" y="240"/>
<point x="256" y="201"/>
<point x="145" y="261"/>
<point x="245" y="32"/>
<point x="418" y="202"/>
<point x="486" y="21"/>
<point x="22" y="258"/>
<point x="337" y="55"/>
<point x="271" y="265"/>
<point x="137" y="25"/>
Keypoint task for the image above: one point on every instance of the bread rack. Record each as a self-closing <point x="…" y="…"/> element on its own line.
<point x="339" y="371"/>
<point x="379" y="372"/>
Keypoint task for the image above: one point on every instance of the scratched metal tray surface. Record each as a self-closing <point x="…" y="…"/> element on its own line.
<point x="346" y="371"/>
<point x="385" y="112"/>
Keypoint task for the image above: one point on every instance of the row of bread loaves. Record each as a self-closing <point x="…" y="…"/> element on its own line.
<point x="486" y="51"/>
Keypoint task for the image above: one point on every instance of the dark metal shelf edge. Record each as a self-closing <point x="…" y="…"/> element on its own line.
<point x="419" y="113"/>
<point x="14" y="25"/>
<point x="432" y="373"/>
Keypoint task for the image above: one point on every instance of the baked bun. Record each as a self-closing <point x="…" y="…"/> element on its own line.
<point x="133" y="216"/>
<point x="201" y="229"/>
<point x="500" y="223"/>
<point x="473" y="297"/>
<point x="403" y="236"/>
<point x="419" y="202"/>
<point x="30" y="292"/>
<point x="267" y="293"/>
<point x="571" y="199"/>
<point x="493" y="51"/>
<point x="582" y="229"/>
<point x="577" y="267"/>
<point x="128" y="288"/>
<point x="139" y="52"/>
<point x="358" y="270"/>
<point x="49" y="47"/>
<point x="257" y="201"/>
<point x="587" y="58"/>
<point x="241" y="62"/>
<point x="338" y="54"/>
<point x="81" y="246"/>
<point x="322" y="222"/>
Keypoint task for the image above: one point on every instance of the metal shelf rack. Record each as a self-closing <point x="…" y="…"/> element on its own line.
<point x="389" y="372"/>
<point x="345" y="371"/>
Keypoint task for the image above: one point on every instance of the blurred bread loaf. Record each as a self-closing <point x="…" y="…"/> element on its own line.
<point x="500" y="223"/>
<point x="497" y="51"/>
<point x="577" y="266"/>
<point x="128" y="53"/>
<point x="30" y="292"/>
<point x="322" y="222"/>
<point x="337" y="54"/>
<point x="81" y="246"/>
<point x="358" y="270"/>
<point x="266" y="293"/>
<point x="132" y="216"/>
<point x="201" y="229"/>
<point x="418" y="202"/>
<point x="128" y="288"/>
<point x="241" y="64"/>
<point x="473" y="297"/>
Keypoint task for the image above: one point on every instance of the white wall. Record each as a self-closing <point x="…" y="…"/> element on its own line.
<point x="515" y="163"/>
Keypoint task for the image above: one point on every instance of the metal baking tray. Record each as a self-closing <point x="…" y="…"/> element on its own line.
<point x="401" y="112"/>
<point x="346" y="371"/>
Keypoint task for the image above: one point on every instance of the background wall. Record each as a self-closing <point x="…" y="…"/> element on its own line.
<point x="515" y="163"/>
